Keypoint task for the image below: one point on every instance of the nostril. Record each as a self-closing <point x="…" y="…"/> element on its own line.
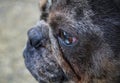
<point x="35" y="37"/>
<point x="35" y="43"/>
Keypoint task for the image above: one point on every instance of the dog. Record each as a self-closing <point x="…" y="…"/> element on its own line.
<point x="75" y="41"/>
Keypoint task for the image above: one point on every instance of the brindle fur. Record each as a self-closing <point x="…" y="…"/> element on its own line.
<point x="95" y="58"/>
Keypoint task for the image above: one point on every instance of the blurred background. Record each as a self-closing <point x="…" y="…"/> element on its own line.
<point x="16" y="17"/>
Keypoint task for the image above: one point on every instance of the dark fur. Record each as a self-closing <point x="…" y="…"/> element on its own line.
<point x="96" y="56"/>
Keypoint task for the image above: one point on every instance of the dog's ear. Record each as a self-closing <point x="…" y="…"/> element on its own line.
<point x="45" y="6"/>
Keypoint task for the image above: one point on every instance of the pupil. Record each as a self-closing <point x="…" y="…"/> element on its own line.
<point x="68" y="41"/>
<point x="66" y="38"/>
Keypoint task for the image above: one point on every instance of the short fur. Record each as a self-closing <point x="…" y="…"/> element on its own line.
<point x="95" y="58"/>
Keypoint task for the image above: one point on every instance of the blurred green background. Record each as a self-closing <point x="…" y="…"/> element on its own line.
<point x="16" y="17"/>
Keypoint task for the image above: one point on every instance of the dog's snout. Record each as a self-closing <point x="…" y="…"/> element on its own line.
<point x="35" y="37"/>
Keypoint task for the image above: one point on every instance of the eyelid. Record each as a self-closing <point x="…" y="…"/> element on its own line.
<point x="65" y="33"/>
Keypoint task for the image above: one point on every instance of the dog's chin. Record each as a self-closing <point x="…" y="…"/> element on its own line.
<point x="42" y="65"/>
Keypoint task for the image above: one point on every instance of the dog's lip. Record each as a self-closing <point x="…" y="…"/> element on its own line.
<point x="52" y="77"/>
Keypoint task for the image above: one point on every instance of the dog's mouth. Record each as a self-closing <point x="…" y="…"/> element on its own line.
<point x="43" y="65"/>
<point x="44" y="59"/>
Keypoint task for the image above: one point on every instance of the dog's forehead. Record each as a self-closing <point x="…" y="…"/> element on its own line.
<point x="62" y="14"/>
<point x="60" y="3"/>
<point x="65" y="21"/>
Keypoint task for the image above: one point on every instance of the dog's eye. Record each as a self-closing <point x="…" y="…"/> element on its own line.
<point x="66" y="38"/>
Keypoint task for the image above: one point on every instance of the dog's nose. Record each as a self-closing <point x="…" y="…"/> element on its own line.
<point x="35" y="37"/>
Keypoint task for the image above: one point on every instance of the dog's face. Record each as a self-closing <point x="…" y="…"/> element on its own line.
<point x="72" y="44"/>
